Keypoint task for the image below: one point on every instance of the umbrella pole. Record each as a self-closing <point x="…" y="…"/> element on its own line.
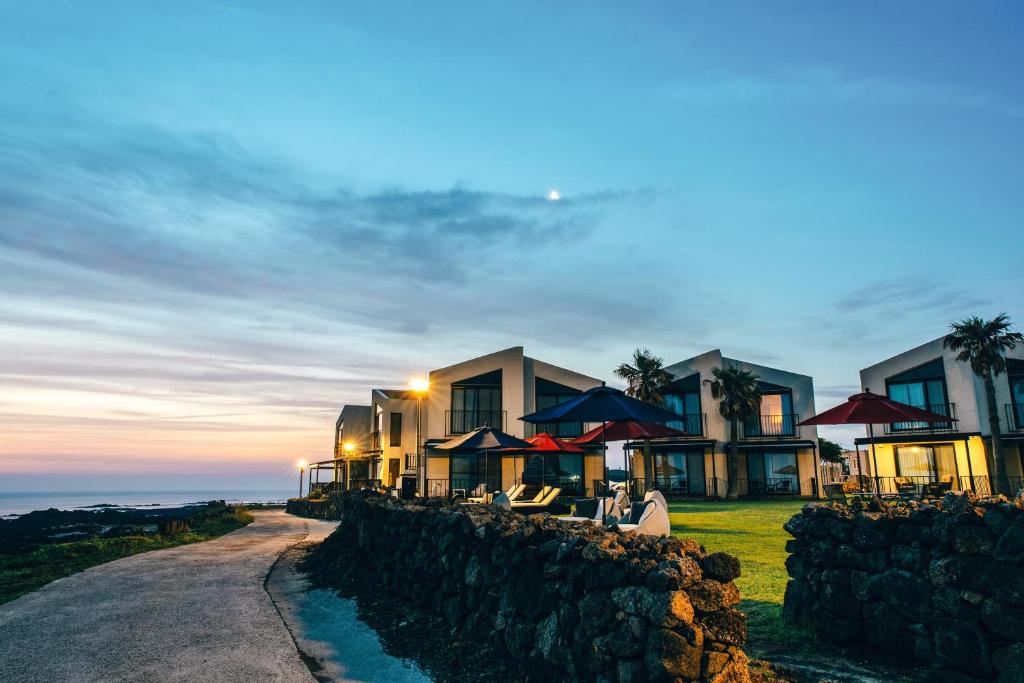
<point x="874" y="458"/>
<point x="604" y="466"/>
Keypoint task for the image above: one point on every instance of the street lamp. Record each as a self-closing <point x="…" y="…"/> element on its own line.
<point x="419" y="387"/>
<point x="301" y="464"/>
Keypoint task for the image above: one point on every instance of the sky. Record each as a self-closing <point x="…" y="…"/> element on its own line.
<point x="221" y="221"/>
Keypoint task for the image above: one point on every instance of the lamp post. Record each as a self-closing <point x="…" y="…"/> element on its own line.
<point x="420" y="387"/>
<point x="302" y="471"/>
<point x="348" y="447"/>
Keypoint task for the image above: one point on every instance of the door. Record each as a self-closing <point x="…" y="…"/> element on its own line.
<point x="393" y="465"/>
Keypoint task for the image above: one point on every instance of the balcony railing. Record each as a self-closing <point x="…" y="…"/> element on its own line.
<point x="771" y="426"/>
<point x="693" y="424"/>
<point x="461" y="486"/>
<point x="462" y="421"/>
<point x="944" y="409"/>
<point x="1015" y="417"/>
<point x="563" y="430"/>
<point x="375" y="441"/>
<point x="412" y="462"/>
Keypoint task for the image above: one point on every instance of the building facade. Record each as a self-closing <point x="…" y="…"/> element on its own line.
<point x="496" y="390"/>
<point x="954" y="452"/>
<point x="776" y="456"/>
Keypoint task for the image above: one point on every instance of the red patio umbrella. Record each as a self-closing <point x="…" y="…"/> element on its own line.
<point x="871" y="409"/>
<point x="628" y="431"/>
<point x="544" y="443"/>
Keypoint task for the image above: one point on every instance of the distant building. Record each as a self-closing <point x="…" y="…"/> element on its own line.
<point x="776" y="456"/>
<point x="954" y="452"/>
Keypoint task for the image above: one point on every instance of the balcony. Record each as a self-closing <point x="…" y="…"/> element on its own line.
<point x="945" y="409"/>
<point x="1015" y="417"/>
<point x="375" y="441"/>
<point x="412" y="462"/>
<point x="771" y="426"/>
<point x="462" y="421"/>
<point x="693" y="424"/>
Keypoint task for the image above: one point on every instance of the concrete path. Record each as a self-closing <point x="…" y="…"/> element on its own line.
<point x="198" y="612"/>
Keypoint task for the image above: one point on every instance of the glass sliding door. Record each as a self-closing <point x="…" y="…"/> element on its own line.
<point x="927" y="395"/>
<point x="772" y="472"/>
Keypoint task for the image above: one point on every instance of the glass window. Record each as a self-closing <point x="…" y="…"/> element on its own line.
<point x="687" y="404"/>
<point x="561" y="429"/>
<point x="927" y="394"/>
<point x="915" y="461"/>
<point x="396" y="430"/>
<point x="773" y="472"/>
<point x="1017" y="388"/>
<point x="475" y="406"/>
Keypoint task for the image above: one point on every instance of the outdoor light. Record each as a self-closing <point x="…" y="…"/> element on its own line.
<point x="419" y="385"/>
<point x="301" y="464"/>
<point x="349" y="446"/>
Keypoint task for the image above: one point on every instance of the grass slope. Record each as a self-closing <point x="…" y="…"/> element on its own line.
<point x="752" y="531"/>
<point x="22" y="573"/>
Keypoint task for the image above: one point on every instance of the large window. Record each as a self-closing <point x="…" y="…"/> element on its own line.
<point x="1017" y="396"/>
<point x="923" y="387"/>
<point x="773" y="472"/>
<point x="927" y="463"/>
<point x="564" y="470"/>
<point x="550" y="394"/>
<point x="680" y="473"/>
<point x="396" y="430"/>
<point x="686" y="404"/>
<point x="476" y="402"/>
<point x="776" y="416"/>
<point x="475" y="473"/>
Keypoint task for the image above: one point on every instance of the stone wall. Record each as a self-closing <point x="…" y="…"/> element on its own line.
<point x="940" y="583"/>
<point x="561" y="601"/>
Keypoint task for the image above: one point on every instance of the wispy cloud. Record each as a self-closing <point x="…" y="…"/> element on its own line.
<point x="825" y="85"/>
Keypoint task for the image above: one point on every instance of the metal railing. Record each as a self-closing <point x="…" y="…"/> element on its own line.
<point x="771" y="426"/>
<point x="769" y="486"/>
<point x="412" y="462"/>
<point x="944" y="409"/>
<point x="356" y="484"/>
<point x="1015" y="417"/>
<point x="563" y="430"/>
<point x="462" y="421"/>
<point x="461" y="486"/>
<point x="930" y="486"/>
<point x="694" y="424"/>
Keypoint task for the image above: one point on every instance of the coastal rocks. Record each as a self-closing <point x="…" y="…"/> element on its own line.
<point x="563" y="602"/>
<point x="939" y="583"/>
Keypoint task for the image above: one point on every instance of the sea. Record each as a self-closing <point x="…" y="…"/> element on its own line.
<point x="14" y="503"/>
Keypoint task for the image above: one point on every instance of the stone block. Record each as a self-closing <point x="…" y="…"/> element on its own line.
<point x="669" y="656"/>
<point x="962" y="645"/>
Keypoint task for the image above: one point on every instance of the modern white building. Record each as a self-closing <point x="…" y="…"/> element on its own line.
<point x="776" y="457"/>
<point x="496" y="390"/>
<point x="930" y="377"/>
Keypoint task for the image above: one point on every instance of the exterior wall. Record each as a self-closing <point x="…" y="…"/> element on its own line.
<point x="439" y="397"/>
<point x="965" y="389"/>
<point x="592" y="471"/>
<point x="353" y="426"/>
<point x="885" y="454"/>
<point x="407" y="408"/>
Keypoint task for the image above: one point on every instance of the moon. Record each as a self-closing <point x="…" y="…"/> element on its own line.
<point x="553" y="196"/>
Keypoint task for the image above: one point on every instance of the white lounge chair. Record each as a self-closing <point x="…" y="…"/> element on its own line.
<point x="541" y="505"/>
<point x="649" y="517"/>
<point x="589" y="510"/>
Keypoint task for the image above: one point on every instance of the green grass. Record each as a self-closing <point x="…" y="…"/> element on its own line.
<point x="22" y="573"/>
<point x="752" y="531"/>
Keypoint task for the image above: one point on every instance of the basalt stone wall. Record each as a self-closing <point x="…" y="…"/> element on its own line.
<point x="942" y="583"/>
<point x="562" y="601"/>
<point x="328" y="507"/>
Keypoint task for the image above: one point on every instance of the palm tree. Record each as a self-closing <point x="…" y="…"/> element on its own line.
<point x="739" y="398"/>
<point x="982" y="344"/>
<point x="647" y="377"/>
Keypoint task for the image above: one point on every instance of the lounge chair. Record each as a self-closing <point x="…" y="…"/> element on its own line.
<point x="589" y="510"/>
<point x="540" y="504"/>
<point x="516" y="491"/>
<point x="649" y="517"/>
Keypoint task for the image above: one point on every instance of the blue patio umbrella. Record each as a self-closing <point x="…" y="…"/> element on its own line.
<point x="483" y="439"/>
<point x="602" y="404"/>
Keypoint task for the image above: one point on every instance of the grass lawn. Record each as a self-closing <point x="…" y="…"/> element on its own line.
<point x="22" y="573"/>
<point x="752" y="531"/>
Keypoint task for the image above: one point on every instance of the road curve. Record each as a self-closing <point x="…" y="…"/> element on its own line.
<point x="193" y="613"/>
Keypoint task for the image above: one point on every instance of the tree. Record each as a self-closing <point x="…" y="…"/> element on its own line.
<point x="983" y="344"/>
<point x="647" y="377"/>
<point x="739" y="398"/>
<point x="829" y="451"/>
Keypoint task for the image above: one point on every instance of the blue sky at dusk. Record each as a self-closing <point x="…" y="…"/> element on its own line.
<point x="220" y="221"/>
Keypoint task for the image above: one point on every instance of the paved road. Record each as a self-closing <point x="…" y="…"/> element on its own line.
<point x="194" y="613"/>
